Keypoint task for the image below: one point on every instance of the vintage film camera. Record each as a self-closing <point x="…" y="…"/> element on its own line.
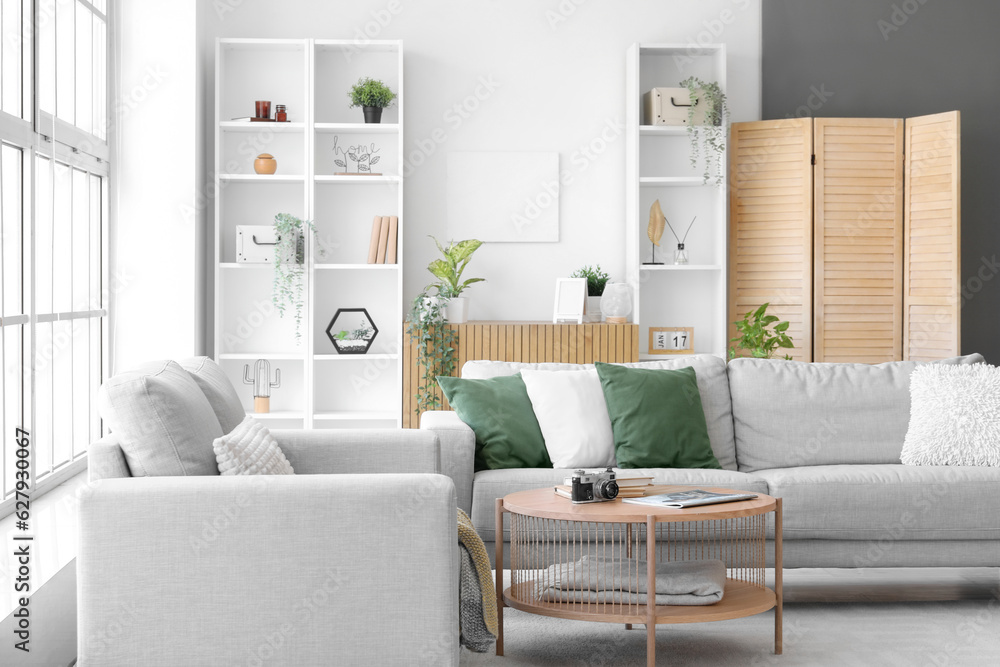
<point x="593" y="486"/>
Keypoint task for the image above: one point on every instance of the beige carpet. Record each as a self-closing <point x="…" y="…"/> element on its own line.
<point x="870" y="625"/>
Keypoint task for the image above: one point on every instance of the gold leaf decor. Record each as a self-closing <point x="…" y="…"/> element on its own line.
<point x="657" y="223"/>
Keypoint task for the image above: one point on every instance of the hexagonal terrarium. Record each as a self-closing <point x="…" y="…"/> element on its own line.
<point x="352" y="330"/>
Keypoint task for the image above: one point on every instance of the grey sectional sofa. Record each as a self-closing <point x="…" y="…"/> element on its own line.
<point x="826" y="438"/>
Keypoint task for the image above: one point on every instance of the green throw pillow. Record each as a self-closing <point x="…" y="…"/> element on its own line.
<point x="656" y="417"/>
<point x="499" y="411"/>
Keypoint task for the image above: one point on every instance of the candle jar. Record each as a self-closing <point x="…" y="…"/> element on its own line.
<point x="263" y="108"/>
<point x="280" y="114"/>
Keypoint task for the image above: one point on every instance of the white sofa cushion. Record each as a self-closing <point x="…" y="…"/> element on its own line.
<point x="218" y="390"/>
<point x="249" y="449"/>
<point x="713" y="385"/>
<point x="790" y="413"/>
<point x="573" y="417"/>
<point x="954" y="416"/>
<point x="162" y="420"/>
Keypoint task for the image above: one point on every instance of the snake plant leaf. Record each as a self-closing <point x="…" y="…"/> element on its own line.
<point x="657" y="223"/>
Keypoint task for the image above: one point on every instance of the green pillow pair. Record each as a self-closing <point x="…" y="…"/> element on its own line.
<point x="656" y="417"/>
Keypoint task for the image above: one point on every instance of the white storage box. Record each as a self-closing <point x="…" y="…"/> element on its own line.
<point x="255" y="245"/>
<point x="671" y="106"/>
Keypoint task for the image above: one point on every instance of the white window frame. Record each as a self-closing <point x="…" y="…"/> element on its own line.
<point x="50" y="137"/>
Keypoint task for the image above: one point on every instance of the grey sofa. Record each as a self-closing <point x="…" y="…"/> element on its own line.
<point x="826" y="438"/>
<point x="352" y="560"/>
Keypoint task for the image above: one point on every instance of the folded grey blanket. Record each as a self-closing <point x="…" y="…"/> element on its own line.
<point x="699" y="582"/>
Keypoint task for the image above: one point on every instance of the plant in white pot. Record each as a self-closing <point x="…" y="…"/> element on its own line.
<point x="596" y="280"/>
<point x="448" y="270"/>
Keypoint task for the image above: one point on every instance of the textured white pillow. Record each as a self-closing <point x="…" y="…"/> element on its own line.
<point x="954" y="416"/>
<point x="573" y="417"/>
<point x="250" y="450"/>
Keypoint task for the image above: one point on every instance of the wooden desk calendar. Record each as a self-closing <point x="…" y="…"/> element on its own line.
<point x="671" y="340"/>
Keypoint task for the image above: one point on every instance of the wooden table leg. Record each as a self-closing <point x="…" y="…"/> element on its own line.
<point x="499" y="564"/>
<point x="651" y="591"/>
<point x="778" y="566"/>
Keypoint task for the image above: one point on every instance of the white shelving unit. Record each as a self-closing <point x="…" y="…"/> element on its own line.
<point x="657" y="166"/>
<point x="319" y="387"/>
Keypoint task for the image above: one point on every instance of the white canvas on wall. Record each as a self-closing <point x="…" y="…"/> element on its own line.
<point x="503" y="197"/>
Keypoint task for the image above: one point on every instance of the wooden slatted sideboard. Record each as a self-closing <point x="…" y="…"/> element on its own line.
<point x="532" y="342"/>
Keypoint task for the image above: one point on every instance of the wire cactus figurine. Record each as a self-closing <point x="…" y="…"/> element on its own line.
<point x="262" y="384"/>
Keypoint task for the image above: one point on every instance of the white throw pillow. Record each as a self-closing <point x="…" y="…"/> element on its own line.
<point x="573" y="417"/>
<point x="250" y="449"/>
<point x="954" y="416"/>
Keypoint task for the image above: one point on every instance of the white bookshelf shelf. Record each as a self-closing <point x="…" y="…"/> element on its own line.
<point x="355" y="415"/>
<point x="264" y="178"/>
<point x="354" y="357"/>
<point x="311" y="77"/>
<point x="280" y="414"/>
<point x="357" y="128"/>
<point x="673" y="181"/>
<point x="244" y="126"/>
<point x="357" y="267"/>
<point x="681" y="267"/>
<point x="663" y="130"/>
<point x="351" y="178"/>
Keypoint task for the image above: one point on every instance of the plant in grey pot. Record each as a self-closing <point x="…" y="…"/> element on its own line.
<point x="448" y="270"/>
<point x="596" y="280"/>
<point x="373" y="96"/>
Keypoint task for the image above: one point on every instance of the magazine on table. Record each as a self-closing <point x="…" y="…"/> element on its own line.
<point x="682" y="499"/>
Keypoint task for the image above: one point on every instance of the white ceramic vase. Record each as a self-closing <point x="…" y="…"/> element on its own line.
<point x="457" y="310"/>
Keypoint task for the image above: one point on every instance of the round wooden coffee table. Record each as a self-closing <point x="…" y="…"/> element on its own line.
<point x="547" y="529"/>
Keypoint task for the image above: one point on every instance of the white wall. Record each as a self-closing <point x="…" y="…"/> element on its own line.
<point x="551" y="77"/>
<point x="157" y="250"/>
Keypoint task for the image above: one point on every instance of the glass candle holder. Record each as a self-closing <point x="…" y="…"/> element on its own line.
<point x="616" y="303"/>
<point x="262" y="108"/>
<point x="680" y="255"/>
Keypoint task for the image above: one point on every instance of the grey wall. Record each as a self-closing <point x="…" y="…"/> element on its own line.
<point x="900" y="58"/>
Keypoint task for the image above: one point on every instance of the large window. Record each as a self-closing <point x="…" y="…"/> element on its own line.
<point x="54" y="165"/>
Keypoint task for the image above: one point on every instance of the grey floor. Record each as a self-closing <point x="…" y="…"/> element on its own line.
<point x="913" y="617"/>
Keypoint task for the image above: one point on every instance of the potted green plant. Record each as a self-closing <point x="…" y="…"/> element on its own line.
<point x="436" y="343"/>
<point x="758" y="337"/>
<point x="596" y="280"/>
<point x="707" y="137"/>
<point x="289" y="259"/>
<point x="373" y="96"/>
<point x="448" y="270"/>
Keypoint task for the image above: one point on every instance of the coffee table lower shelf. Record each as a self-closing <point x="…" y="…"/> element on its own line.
<point x="740" y="599"/>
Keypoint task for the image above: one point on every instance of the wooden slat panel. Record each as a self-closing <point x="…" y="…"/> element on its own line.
<point x="932" y="264"/>
<point x="858" y="237"/>
<point x="770" y="236"/>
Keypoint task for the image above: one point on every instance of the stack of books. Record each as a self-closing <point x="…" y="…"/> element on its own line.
<point x="633" y="487"/>
<point x="384" y="241"/>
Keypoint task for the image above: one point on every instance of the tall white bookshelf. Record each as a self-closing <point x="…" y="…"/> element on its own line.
<point x="657" y="166"/>
<point x="319" y="387"/>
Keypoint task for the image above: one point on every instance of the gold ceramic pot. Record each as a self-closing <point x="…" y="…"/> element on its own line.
<point x="265" y="164"/>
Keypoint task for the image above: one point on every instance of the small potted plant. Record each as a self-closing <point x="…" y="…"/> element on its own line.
<point x="373" y="96"/>
<point x="596" y="280"/>
<point x="351" y="340"/>
<point x="289" y="258"/>
<point x="710" y="137"/>
<point x="448" y="270"/>
<point x="758" y="337"/>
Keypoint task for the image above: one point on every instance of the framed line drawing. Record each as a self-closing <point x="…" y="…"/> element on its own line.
<point x="671" y="340"/>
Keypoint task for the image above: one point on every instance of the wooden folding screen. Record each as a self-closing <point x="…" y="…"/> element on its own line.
<point x="866" y="267"/>
<point x="771" y="232"/>
<point x="858" y="252"/>
<point x="932" y="300"/>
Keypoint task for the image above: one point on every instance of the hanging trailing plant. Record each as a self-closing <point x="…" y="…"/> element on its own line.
<point x="289" y="265"/>
<point x="436" y="344"/>
<point x="708" y="139"/>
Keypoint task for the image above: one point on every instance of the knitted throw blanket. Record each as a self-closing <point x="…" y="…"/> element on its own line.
<point x="477" y="607"/>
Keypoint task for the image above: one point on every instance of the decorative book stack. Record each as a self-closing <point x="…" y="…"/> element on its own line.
<point x="385" y="232"/>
